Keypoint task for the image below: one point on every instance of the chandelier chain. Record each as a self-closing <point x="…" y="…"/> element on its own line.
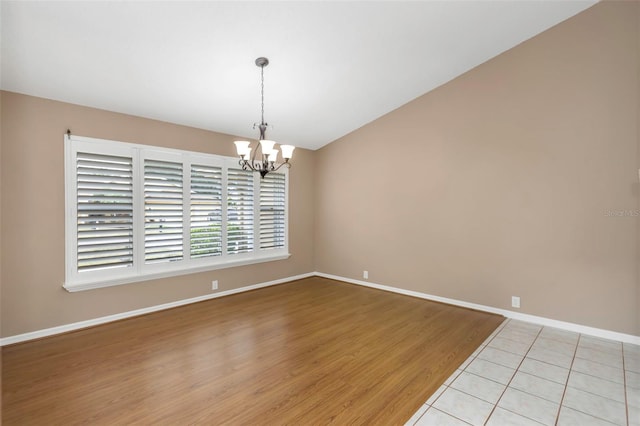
<point x="262" y="91"/>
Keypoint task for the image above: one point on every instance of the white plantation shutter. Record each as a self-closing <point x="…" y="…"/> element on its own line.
<point x="104" y="200"/>
<point x="272" y="211"/>
<point x="162" y="211"/>
<point x="136" y="212"/>
<point x="240" y="214"/>
<point x="206" y="211"/>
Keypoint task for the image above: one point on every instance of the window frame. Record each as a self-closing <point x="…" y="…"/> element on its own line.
<point x="141" y="271"/>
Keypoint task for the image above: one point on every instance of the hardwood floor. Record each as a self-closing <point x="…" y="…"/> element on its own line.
<point x="310" y="352"/>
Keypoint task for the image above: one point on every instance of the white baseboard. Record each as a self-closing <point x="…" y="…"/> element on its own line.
<point x="606" y="334"/>
<point x="577" y="328"/>
<point x="115" y="317"/>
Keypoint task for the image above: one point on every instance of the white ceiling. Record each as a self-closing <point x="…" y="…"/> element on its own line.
<point x="335" y="66"/>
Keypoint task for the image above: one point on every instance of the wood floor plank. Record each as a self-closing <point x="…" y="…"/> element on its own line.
<point x="313" y="351"/>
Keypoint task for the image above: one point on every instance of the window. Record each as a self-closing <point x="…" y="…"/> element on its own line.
<point x="135" y="212"/>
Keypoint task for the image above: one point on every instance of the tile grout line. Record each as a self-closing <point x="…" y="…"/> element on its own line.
<point x="486" y="378"/>
<point x="599" y="396"/>
<point x="537" y="377"/>
<point x="549" y="364"/>
<point x="449" y="414"/>
<point x="599" y="362"/>
<point x="624" y="388"/>
<point x="566" y="385"/>
<point x="594" y="376"/>
<point x="514" y="375"/>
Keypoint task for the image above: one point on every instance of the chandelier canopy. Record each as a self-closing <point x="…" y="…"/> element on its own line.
<point x="268" y="159"/>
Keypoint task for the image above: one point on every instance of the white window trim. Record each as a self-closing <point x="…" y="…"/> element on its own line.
<point x="140" y="271"/>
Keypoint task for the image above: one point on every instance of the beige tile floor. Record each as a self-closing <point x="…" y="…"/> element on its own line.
<point x="526" y="374"/>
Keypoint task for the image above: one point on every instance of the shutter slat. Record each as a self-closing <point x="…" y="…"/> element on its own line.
<point x="240" y="220"/>
<point x="104" y="194"/>
<point x="105" y="255"/>
<point x="103" y="246"/>
<point x="206" y="211"/>
<point x="163" y="204"/>
<point x="272" y="211"/>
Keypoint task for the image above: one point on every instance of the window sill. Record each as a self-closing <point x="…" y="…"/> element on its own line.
<point x="90" y="285"/>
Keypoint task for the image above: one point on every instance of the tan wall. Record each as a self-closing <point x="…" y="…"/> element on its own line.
<point x="638" y="156"/>
<point x="33" y="215"/>
<point x="1" y="126"/>
<point x="497" y="183"/>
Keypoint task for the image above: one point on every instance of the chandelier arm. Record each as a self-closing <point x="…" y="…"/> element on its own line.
<point x="247" y="165"/>
<point x="286" y="163"/>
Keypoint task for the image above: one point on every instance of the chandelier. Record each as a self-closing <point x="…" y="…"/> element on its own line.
<point x="267" y="161"/>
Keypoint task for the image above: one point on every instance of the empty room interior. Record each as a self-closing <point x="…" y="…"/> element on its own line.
<point x="446" y="230"/>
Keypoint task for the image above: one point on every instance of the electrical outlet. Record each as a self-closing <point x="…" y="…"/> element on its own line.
<point x="365" y="275"/>
<point x="214" y="285"/>
<point x="515" y="302"/>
